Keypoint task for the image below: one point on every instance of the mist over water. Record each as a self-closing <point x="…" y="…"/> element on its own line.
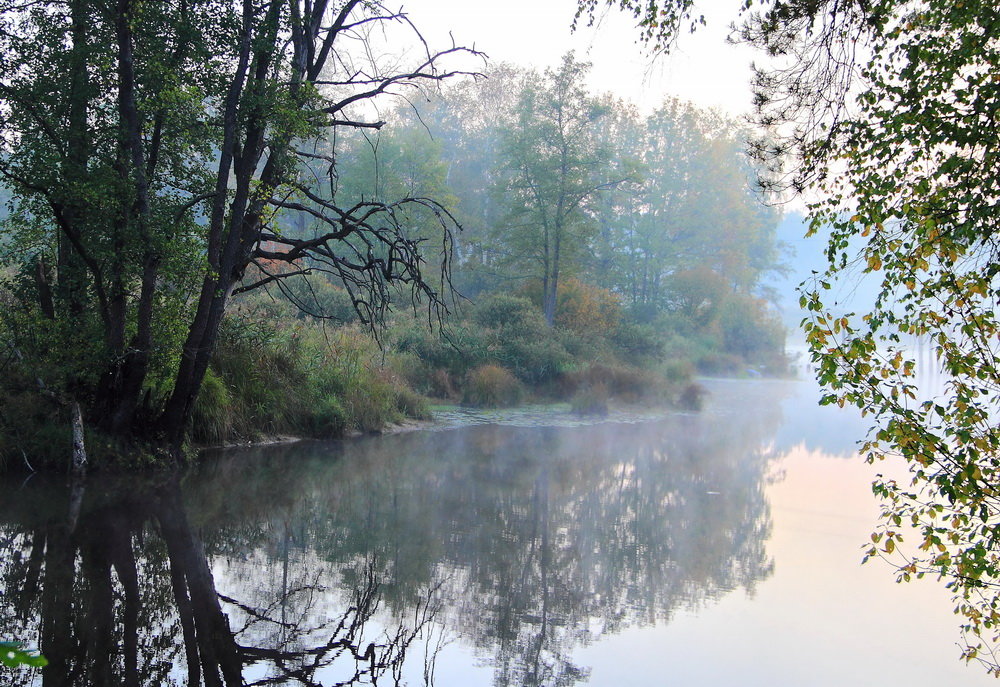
<point x="531" y="551"/>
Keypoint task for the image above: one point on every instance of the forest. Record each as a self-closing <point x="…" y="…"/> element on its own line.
<point x="194" y="255"/>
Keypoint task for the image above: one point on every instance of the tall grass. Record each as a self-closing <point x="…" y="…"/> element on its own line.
<point x="299" y="378"/>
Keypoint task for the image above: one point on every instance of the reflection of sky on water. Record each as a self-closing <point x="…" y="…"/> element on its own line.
<point x="831" y="430"/>
<point x="719" y="548"/>
<point x="822" y="619"/>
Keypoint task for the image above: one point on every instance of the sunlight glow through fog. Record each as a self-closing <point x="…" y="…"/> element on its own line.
<point x="702" y="69"/>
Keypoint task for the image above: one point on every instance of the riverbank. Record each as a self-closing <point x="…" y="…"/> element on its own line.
<point x="278" y="374"/>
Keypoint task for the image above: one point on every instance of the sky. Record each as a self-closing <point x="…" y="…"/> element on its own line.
<point x="703" y="68"/>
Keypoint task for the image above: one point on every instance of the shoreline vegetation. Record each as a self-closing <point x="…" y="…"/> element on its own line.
<point x="278" y="374"/>
<point x="237" y="252"/>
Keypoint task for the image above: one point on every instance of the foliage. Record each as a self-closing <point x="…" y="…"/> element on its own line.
<point x="692" y="396"/>
<point x="585" y="309"/>
<point x="281" y="374"/>
<point x="151" y="148"/>
<point x="502" y="330"/>
<point x="491" y="386"/>
<point x="149" y="202"/>
<point x="552" y="167"/>
<point x="622" y="382"/>
<point x="921" y="179"/>
<point x="645" y="202"/>
<point x="694" y="207"/>
<point x="659" y="22"/>
<point x="591" y="400"/>
<point x="752" y="331"/>
<point x="212" y="420"/>
<point x="637" y="343"/>
<point x="510" y="316"/>
<point x="505" y="332"/>
<point x="516" y="336"/>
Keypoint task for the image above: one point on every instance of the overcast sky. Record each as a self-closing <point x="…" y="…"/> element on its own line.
<point x="704" y="69"/>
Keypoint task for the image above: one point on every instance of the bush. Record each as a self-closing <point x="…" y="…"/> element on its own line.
<point x="721" y="364"/>
<point x="412" y="405"/>
<point x="639" y="344"/>
<point x="491" y="386"/>
<point x="587" y="309"/>
<point x="678" y="370"/>
<point x="510" y="316"/>
<point x="295" y="377"/>
<point x="371" y="406"/>
<point x="328" y="419"/>
<point x="750" y="329"/>
<point x="626" y="383"/>
<point x="34" y="430"/>
<point x="454" y="350"/>
<point x="535" y="361"/>
<point x="513" y="335"/>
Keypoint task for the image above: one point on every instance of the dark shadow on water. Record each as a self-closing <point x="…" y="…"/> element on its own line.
<point x="123" y="593"/>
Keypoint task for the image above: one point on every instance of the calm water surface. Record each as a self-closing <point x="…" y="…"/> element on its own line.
<point x="515" y="549"/>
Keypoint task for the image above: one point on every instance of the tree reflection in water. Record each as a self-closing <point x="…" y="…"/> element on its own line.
<point x="126" y="596"/>
<point x="523" y="542"/>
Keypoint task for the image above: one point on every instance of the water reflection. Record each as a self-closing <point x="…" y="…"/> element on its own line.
<point x="271" y="565"/>
<point x="121" y="592"/>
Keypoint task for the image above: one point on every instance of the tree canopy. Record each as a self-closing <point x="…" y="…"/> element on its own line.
<point x="587" y="207"/>
<point x="150" y="148"/>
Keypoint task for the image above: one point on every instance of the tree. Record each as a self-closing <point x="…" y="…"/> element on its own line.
<point x="552" y="168"/>
<point x="150" y="147"/>
<point x="887" y="113"/>
<point x="471" y="120"/>
<point x="694" y="207"/>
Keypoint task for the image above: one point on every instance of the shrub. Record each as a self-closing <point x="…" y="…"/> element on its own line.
<point x="456" y="349"/>
<point x="411" y="404"/>
<point x="295" y="377"/>
<point x="491" y="386"/>
<point x="328" y="419"/>
<point x="639" y="344"/>
<point x="677" y="370"/>
<point x="587" y="309"/>
<point x="720" y="364"/>
<point x="750" y="329"/>
<point x="34" y="429"/>
<point x="627" y="383"/>
<point x="371" y="406"/>
<point x="320" y="297"/>
<point x="265" y="372"/>
<point x="510" y="316"/>
<point x="535" y="360"/>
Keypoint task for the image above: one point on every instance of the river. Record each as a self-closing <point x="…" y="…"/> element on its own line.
<point x="522" y="548"/>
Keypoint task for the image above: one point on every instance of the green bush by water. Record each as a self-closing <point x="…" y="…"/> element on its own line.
<point x="491" y="386"/>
